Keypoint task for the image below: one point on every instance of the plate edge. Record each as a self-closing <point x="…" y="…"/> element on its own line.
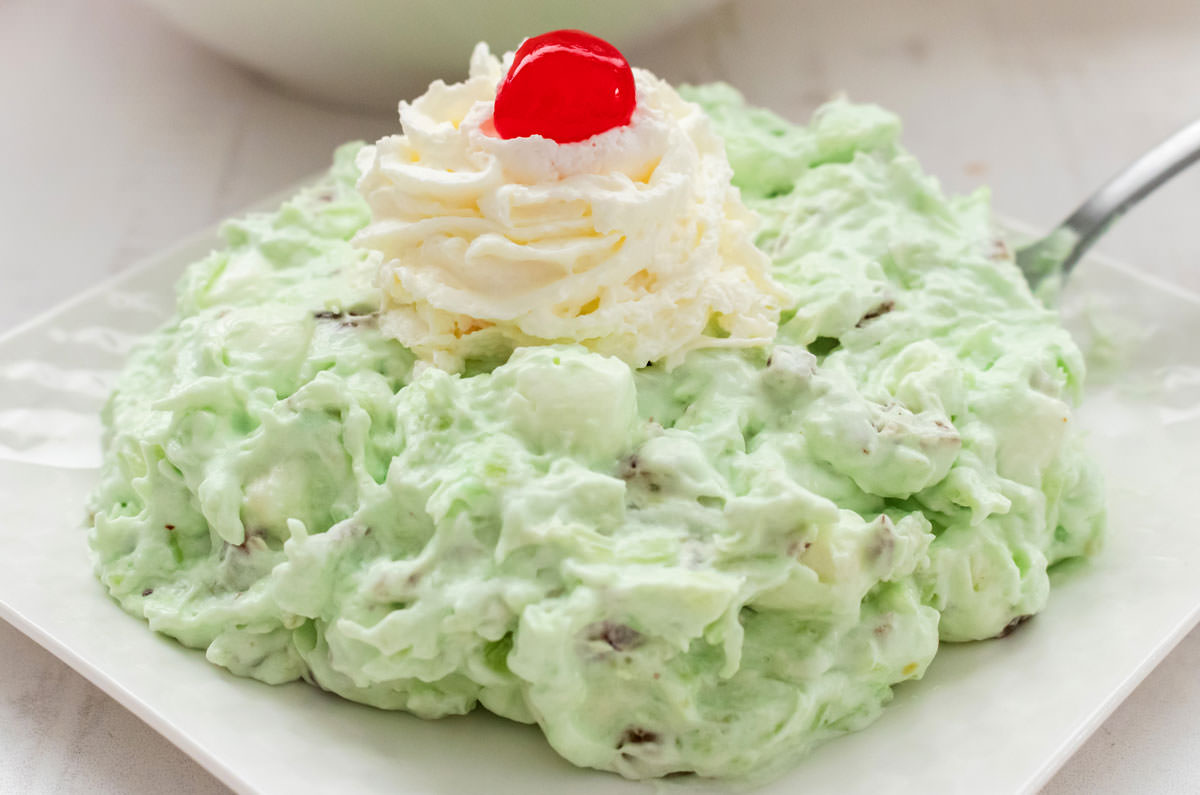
<point x="129" y="700"/>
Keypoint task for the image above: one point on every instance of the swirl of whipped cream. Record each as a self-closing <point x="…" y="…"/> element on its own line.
<point x="632" y="243"/>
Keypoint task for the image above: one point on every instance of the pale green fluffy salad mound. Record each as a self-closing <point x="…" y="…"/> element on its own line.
<point x="709" y="568"/>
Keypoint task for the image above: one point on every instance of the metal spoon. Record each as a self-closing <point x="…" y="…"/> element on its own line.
<point x="1057" y="252"/>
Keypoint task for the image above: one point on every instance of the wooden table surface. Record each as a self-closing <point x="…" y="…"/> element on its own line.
<point x="120" y="136"/>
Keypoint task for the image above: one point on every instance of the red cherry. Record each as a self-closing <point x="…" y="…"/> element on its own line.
<point x="566" y="85"/>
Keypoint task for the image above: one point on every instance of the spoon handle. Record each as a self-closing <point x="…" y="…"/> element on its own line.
<point x="1129" y="187"/>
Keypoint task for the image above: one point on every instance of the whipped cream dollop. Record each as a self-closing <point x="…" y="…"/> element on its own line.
<point x="633" y="242"/>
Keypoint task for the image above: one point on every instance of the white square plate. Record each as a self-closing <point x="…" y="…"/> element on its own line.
<point x="997" y="716"/>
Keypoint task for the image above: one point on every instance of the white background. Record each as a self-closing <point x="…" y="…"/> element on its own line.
<point x="118" y="136"/>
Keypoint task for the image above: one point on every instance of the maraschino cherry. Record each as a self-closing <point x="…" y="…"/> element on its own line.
<point x="566" y="85"/>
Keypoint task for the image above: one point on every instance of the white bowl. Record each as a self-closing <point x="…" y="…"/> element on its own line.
<point x="375" y="52"/>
